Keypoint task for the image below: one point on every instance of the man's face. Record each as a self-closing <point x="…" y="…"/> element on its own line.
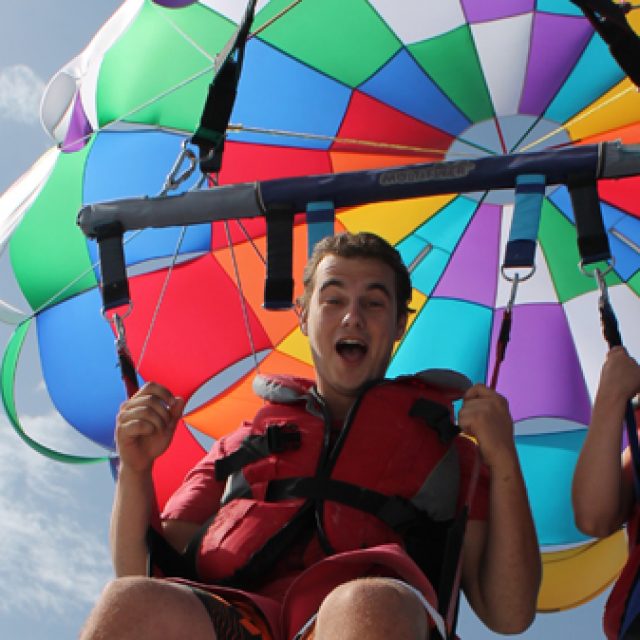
<point x="351" y="322"/>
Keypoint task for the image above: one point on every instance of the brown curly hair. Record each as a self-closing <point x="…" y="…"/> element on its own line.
<point x="359" y="245"/>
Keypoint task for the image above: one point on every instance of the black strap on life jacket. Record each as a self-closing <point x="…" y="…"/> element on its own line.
<point x="276" y="439"/>
<point x="437" y="416"/>
<point x="395" y="511"/>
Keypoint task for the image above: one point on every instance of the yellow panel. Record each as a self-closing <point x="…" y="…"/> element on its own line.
<point x="393" y="220"/>
<point x="296" y="345"/>
<point x="575" y="576"/>
<point x="618" y="107"/>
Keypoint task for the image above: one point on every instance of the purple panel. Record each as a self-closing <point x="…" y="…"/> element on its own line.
<point x="474" y="267"/>
<point x="482" y="11"/>
<point x="79" y="128"/>
<point x="556" y="44"/>
<point x="174" y="4"/>
<point x="541" y="374"/>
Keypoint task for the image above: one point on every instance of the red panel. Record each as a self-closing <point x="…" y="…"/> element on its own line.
<point x="171" y="467"/>
<point x="245" y="162"/>
<point x="371" y="120"/>
<point x="200" y="327"/>
<point x="622" y="194"/>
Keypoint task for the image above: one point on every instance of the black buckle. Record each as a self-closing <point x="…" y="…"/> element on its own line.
<point x="281" y="437"/>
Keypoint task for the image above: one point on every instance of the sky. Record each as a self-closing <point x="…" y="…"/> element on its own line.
<point x="54" y="557"/>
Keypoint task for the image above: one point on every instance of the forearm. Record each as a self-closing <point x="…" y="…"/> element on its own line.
<point x="509" y="570"/>
<point x="598" y="491"/>
<point x="130" y="519"/>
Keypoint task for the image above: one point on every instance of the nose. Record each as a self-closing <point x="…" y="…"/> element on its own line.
<point x="352" y="317"/>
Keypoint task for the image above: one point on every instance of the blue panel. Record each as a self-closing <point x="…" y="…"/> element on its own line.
<point x="420" y="97"/>
<point x="284" y="94"/>
<point x="548" y="462"/>
<point x="562" y="7"/>
<point x="446" y="228"/>
<point x="427" y="273"/>
<point x="79" y="364"/>
<point x="133" y="164"/>
<point x="447" y="334"/>
<point x="562" y="201"/>
<point x="627" y="259"/>
<point x="595" y="73"/>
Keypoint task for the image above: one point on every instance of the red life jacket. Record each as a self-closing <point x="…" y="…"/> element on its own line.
<point x="392" y="475"/>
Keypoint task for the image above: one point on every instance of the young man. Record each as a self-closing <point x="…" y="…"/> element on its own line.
<point x="332" y="555"/>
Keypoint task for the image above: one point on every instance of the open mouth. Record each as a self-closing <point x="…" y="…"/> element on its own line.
<point x="351" y="350"/>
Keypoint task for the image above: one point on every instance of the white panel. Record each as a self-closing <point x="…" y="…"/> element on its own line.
<point x="584" y="322"/>
<point x="416" y="20"/>
<point x="82" y="71"/>
<point x="18" y="197"/>
<point x="233" y="9"/>
<point x="545" y="426"/>
<point x="538" y="288"/>
<point x="503" y="48"/>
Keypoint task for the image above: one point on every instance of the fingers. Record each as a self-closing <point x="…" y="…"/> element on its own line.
<point x="152" y="408"/>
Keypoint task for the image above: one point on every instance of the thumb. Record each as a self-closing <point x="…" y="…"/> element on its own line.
<point x="177" y="407"/>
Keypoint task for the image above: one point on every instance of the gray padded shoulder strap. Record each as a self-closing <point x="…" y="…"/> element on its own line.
<point x="282" y="389"/>
<point x="452" y="381"/>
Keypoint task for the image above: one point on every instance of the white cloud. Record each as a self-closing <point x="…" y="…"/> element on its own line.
<point x="20" y="94"/>
<point x="52" y="531"/>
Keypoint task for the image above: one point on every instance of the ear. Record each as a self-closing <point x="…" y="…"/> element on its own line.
<point x="401" y="326"/>
<point x="302" y="318"/>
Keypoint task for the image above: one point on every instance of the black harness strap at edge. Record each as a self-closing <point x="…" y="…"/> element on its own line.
<point x="115" y="285"/>
<point x="608" y="19"/>
<point x="278" y="286"/>
<point x="210" y="134"/>
<point x="593" y="243"/>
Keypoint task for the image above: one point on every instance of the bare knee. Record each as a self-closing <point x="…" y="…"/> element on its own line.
<point x="138" y="607"/>
<point x="372" y="608"/>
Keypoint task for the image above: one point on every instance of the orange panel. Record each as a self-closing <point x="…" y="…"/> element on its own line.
<point x="239" y="403"/>
<point x="349" y="161"/>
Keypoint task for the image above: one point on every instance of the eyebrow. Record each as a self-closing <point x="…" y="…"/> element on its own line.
<point x="373" y="286"/>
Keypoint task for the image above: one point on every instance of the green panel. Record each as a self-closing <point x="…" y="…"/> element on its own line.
<point x="466" y="88"/>
<point x="152" y="59"/>
<point x="634" y="282"/>
<point x="558" y="240"/>
<point x="7" y="381"/>
<point x="347" y="41"/>
<point x="48" y="251"/>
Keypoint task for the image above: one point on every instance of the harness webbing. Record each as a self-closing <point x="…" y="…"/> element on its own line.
<point x="394" y="511"/>
<point x="278" y="286"/>
<point x="115" y="285"/>
<point x="593" y="245"/>
<point x="210" y="134"/>
<point x="520" y="252"/>
<point x="276" y="438"/>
